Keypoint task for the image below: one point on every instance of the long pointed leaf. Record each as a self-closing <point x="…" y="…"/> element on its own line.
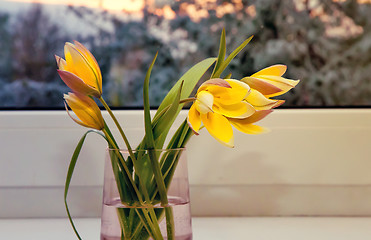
<point x="147" y="116"/>
<point x="149" y="140"/>
<point x="71" y="168"/>
<point x="157" y="118"/>
<point x="221" y="55"/>
<point x="230" y="57"/>
<point x="169" y="116"/>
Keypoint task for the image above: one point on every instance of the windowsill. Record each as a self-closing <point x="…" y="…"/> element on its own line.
<point x="314" y="162"/>
<point x="287" y="228"/>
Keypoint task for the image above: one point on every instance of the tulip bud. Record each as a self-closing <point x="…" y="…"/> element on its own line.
<point x="87" y="111"/>
<point x="80" y="70"/>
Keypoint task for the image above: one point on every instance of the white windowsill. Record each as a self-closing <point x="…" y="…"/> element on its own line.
<point x="314" y="162"/>
<point x="205" y="228"/>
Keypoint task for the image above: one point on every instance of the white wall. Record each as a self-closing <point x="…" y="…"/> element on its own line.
<point x="313" y="162"/>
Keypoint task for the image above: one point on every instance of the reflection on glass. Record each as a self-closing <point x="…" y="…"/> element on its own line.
<point x="327" y="44"/>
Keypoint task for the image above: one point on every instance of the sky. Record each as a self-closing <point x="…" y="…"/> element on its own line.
<point x="57" y="12"/>
<point x="135" y="7"/>
<point x="113" y="5"/>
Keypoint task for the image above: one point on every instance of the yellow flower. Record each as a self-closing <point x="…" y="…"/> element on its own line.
<point x="217" y="102"/>
<point x="268" y="83"/>
<point x="87" y="111"/>
<point x="246" y="125"/>
<point x="80" y="70"/>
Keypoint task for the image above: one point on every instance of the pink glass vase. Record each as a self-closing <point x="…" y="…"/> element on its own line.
<point x="124" y="216"/>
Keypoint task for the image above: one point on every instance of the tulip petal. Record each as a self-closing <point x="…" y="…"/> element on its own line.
<point x="279" y="80"/>
<point x="216" y="82"/>
<point x="257" y="116"/>
<point x="259" y="101"/>
<point x="204" y="102"/>
<point x="275" y="70"/>
<point x="194" y="119"/>
<point x="271" y="106"/>
<point x="78" y="65"/>
<point x="236" y="84"/>
<point x="91" y="60"/>
<point x="262" y="86"/>
<point x="241" y="109"/>
<point x="283" y="83"/>
<point x="277" y="104"/>
<point x="218" y="127"/>
<point x="87" y="54"/>
<point x="86" y="110"/>
<point x="246" y="125"/>
<point x="76" y="84"/>
<point x="250" y="128"/>
<point x="60" y="62"/>
<point x="228" y="96"/>
<point x="76" y="120"/>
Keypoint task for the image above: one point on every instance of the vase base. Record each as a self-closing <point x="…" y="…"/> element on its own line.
<point x="187" y="237"/>
<point x="111" y="229"/>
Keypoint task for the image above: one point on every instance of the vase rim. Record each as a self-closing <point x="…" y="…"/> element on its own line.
<point x="141" y="150"/>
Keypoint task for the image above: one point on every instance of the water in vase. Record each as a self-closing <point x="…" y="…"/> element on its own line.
<point x="111" y="230"/>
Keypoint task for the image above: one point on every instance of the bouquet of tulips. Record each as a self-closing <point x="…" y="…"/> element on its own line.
<point x="219" y="104"/>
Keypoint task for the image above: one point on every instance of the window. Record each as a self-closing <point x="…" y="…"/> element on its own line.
<point x="320" y="153"/>
<point x="324" y="43"/>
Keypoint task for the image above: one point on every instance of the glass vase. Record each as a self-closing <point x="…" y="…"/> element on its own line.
<point x="141" y="212"/>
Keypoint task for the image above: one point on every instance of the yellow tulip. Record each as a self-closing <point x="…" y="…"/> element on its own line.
<point x="80" y="70"/>
<point x="218" y="101"/>
<point x="87" y="111"/>
<point x="246" y="125"/>
<point x="268" y="83"/>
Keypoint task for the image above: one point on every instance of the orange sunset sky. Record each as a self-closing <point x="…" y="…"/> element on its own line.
<point x="161" y="7"/>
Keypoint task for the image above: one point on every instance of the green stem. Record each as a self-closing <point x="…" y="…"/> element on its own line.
<point x="145" y="192"/>
<point x="124" y="223"/>
<point x="126" y="193"/>
<point x="119" y="128"/>
<point x="170" y="222"/>
<point x="191" y="99"/>
<point x="122" y="160"/>
<point x="163" y="194"/>
<point x="148" y="224"/>
<point x="158" y="177"/>
<point x="154" y="226"/>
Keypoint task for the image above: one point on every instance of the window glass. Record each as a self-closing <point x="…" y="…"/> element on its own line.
<point x="326" y="44"/>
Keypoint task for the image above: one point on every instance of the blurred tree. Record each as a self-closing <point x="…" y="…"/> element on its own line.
<point x="35" y="40"/>
<point x="327" y="44"/>
<point x="131" y="50"/>
<point x="324" y="43"/>
<point x="5" y="48"/>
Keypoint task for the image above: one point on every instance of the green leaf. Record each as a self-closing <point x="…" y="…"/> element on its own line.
<point x="159" y="116"/>
<point x="71" y="168"/>
<point x="190" y="79"/>
<point x="142" y="171"/>
<point x="147" y="116"/>
<point x="149" y="139"/>
<point x="178" y="137"/>
<point x="230" y="57"/>
<point x="221" y="55"/>
<point x="160" y="126"/>
<point x="127" y="193"/>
